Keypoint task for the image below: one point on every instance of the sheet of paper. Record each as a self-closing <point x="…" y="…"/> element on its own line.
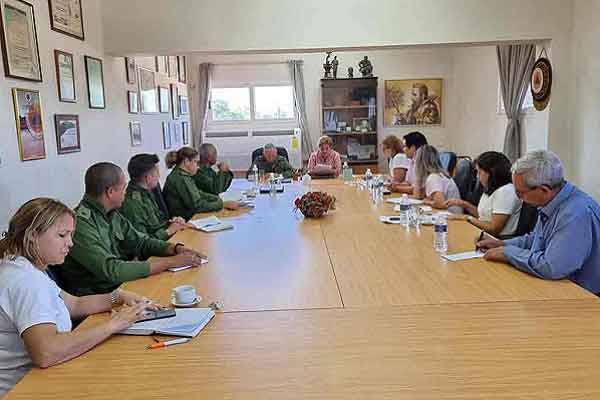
<point x="184" y="267"/>
<point x="205" y="222"/>
<point x="463" y="256"/>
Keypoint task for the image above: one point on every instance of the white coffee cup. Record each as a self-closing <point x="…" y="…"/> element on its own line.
<point x="184" y="294"/>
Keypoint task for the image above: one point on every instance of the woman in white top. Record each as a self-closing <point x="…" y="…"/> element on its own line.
<point x="35" y="315"/>
<point x="433" y="184"/>
<point x="398" y="162"/>
<point x="499" y="208"/>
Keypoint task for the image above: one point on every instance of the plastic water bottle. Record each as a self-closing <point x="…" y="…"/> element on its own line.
<point x="368" y="177"/>
<point x="405" y="211"/>
<point x="347" y="172"/>
<point x="440" y="234"/>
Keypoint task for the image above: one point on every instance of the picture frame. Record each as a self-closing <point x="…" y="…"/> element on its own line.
<point x="166" y="135"/>
<point x="174" y="101"/>
<point x="181" y="69"/>
<point x="95" y="82"/>
<point x="413" y="102"/>
<point x="20" y="55"/>
<point x="185" y="132"/>
<point x="173" y="67"/>
<point x="135" y="132"/>
<point x="358" y="124"/>
<point x="68" y="138"/>
<point x="29" y="124"/>
<point x="133" y="102"/>
<point x="130" y="67"/>
<point x="175" y="132"/>
<point x="163" y="99"/>
<point x="66" y="16"/>
<point x="65" y="76"/>
<point x="162" y="65"/>
<point x="183" y="105"/>
<point x="148" y="91"/>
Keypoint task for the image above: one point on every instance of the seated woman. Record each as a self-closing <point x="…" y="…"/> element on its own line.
<point x="181" y="193"/>
<point x="35" y="314"/>
<point x="398" y="162"/>
<point x="433" y="184"/>
<point x="499" y="208"/>
<point x="325" y="156"/>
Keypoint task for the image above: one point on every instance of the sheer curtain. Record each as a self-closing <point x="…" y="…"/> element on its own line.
<point x="514" y="64"/>
<point x="297" y="78"/>
<point x="201" y="91"/>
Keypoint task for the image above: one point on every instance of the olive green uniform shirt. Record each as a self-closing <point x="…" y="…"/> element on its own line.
<point x="104" y="243"/>
<point x="213" y="182"/>
<point x="141" y="209"/>
<point x="185" y="199"/>
<point x="279" y="166"/>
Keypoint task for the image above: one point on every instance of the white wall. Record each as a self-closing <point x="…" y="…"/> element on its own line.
<point x="585" y="85"/>
<point x="104" y="133"/>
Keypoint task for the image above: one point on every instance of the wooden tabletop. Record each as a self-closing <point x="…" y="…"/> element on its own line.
<point x="514" y="350"/>
<point x="347" y="307"/>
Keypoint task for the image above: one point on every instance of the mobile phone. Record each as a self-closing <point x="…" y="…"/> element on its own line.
<point x="393" y="218"/>
<point x="151" y="315"/>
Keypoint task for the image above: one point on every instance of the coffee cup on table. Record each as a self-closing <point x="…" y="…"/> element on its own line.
<point x="184" y="294"/>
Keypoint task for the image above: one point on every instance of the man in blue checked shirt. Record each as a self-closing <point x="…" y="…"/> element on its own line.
<point x="565" y="242"/>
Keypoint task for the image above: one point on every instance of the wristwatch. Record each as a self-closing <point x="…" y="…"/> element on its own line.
<point x="114" y="296"/>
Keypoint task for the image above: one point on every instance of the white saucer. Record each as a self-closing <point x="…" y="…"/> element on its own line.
<point x="183" y="305"/>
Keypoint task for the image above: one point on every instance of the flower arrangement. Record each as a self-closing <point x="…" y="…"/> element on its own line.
<point x="314" y="204"/>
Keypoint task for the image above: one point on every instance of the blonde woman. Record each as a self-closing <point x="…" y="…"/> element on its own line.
<point x="325" y="156"/>
<point x="433" y="184"/>
<point x="35" y="314"/>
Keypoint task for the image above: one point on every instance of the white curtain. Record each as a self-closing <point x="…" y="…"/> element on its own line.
<point x="297" y="78"/>
<point x="201" y="90"/>
<point x="514" y="64"/>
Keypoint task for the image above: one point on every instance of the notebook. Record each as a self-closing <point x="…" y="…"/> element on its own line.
<point x="185" y="323"/>
<point x="210" y="224"/>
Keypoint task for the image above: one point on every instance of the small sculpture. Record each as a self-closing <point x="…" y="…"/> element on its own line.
<point x="335" y="64"/>
<point x="327" y="66"/>
<point x="365" y="67"/>
<point x="350" y="72"/>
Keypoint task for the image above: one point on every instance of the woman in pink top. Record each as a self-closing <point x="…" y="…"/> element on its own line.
<point x="325" y="156"/>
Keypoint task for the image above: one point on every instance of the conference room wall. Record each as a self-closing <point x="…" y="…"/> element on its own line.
<point x="104" y="133"/>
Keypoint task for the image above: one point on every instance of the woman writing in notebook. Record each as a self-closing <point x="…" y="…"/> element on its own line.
<point x="35" y="314"/>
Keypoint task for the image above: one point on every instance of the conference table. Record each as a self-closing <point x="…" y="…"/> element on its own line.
<point x="346" y="307"/>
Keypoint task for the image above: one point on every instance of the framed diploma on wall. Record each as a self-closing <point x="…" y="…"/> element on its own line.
<point x="65" y="76"/>
<point x="95" y="82"/>
<point x="20" y="51"/>
<point x="66" y="17"/>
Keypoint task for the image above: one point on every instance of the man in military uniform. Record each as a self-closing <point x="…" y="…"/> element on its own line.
<point x="140" y="206"/>
<point x="424" y="109"/>
<point x="270" y="161"/>
<point x="106" y="247"/>
<point x="207" y="179"/>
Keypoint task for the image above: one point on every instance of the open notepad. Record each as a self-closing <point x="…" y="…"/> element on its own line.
<point x="186" y="323"/>
<point x="210" y="224"/>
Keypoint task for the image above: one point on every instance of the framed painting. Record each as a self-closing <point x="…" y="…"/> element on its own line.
<point x="183" y="105"/>
<point x="166" y="135"/>
<point x="181" y="68"/>
<point x="30" y="128"/>
<point x="135" y="131"/>
<point x="65" y="76"/>
<point x="95" y="82"/>
<point x="20" y="51"/>
<point x="130" y="70"/>
<point x="163" y="99"/>
<point x="148" y="92"/>
<point x="411" y="102"/>
<point x="66" y="16"/>
<point x="67" y="133"/>
<point x="132" y="102"/>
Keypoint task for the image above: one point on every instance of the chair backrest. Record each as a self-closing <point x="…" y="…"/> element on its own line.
<point x="160" y="200"/>
<point x="448" y="160"/>
<point x="281" y="151"/>
<point x="465" y="177"/>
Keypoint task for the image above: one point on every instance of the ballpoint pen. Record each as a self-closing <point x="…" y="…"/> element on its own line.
<point x="168" y="343"/>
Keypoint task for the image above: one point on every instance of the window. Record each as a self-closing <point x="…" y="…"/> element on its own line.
<point x="273" y="102"/>
<point x="527" y="103"/>
<point x="230" y="104"/>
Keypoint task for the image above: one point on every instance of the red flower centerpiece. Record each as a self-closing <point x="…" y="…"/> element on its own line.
<point x="314" y="204"/>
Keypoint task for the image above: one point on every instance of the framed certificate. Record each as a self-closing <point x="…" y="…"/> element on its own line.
<point x="148" y="91"/>
<point x="95" y="82"/>
<point x="66" y="17"/>
<point x="20" y="49"/>
<point x="30" y="128"/>
<point x="67" y="133"/>
<point x="65" y="76"/>
<point x="135" y="131"/>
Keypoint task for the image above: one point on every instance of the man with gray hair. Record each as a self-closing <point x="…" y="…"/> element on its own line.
<point x="565" y="242"/>
<point x="270" y="161"/>
<point x="207" y="178"/>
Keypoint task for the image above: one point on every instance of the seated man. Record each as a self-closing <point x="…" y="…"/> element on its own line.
<point x="270" y="161"/>
<point x="564" y="243"/>
<point x="207" y="179"/>
<point x="325" y="159"/>
<point x="140" y="206"/>
<point x="105" y="243"/>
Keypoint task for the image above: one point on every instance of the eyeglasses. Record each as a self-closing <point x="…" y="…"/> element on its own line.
<point x="520" y="193"/>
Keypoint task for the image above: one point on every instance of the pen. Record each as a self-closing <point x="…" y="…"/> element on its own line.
<point x="168" y="343"/>
<point x="481" y="236"/>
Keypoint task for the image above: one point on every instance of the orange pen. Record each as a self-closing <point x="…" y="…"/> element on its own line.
<point x="168" y="343"/>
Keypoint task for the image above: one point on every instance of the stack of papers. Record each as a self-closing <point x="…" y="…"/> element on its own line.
<point x="186" y="323"/>
<point x="463" y="256"/>
<point x="210" y="224"/>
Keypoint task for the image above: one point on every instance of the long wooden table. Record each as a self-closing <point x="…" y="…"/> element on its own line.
<point x="347" y="308"/>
